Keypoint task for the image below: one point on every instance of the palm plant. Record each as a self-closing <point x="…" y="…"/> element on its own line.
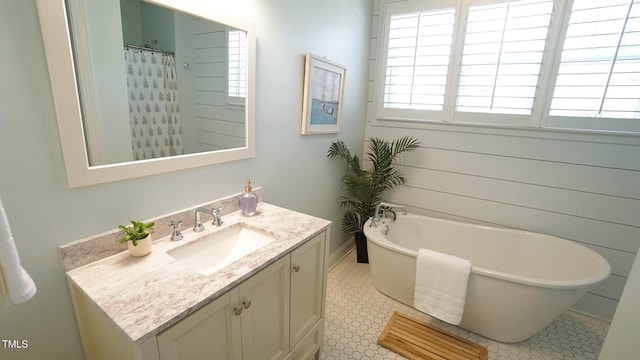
<point x="364" y="188"/>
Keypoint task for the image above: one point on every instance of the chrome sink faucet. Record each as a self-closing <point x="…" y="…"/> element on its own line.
<point x="384" y="206"/>
<point x="217" y="221"/>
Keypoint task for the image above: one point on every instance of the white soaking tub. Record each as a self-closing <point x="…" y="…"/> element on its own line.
<point x="520" y="281"/>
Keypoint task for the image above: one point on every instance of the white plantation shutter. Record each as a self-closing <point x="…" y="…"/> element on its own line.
<point x="419" y="47"/>
<point x="503" y="48"/>
<point x="237" y="67"/>
<point x="599" y="72"/>
<point x="572" y="64"/>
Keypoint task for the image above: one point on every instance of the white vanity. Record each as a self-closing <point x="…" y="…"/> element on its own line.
<point x="267" y="305"/>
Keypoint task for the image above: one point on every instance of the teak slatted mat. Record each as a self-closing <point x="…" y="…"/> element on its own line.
<point x="416" y="340"/>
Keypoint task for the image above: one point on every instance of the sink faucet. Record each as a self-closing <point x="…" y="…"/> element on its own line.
<point x="217" y="221"/>
<point x="384" y="205"/>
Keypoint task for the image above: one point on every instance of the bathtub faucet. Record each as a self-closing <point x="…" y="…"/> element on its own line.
<point x="384" y="206"/>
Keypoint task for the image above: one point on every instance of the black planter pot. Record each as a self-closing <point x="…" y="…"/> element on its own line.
<point x="361" y="248"/>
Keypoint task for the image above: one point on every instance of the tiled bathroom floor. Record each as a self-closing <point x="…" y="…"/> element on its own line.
<point x="356" y="314"/>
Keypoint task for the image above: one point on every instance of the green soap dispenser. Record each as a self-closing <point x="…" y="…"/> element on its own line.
<point x="248" y="201"/>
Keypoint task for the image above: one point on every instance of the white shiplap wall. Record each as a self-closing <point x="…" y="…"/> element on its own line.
<point x="219" y="125"/>
<point x="579" y="186"/>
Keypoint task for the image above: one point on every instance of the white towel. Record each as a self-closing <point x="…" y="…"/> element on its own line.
<point x="16" y="286"/>
<point x="441" y="285"/>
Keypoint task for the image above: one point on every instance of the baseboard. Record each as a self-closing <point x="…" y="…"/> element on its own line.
<point x="589" y="314"/>
<point x="341" y="252"/>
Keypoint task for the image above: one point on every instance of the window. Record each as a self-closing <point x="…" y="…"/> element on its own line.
<point x="599" y="71"/>
<point x="536" y="63"/>
<point x="237" y="67"/>
<point x="417" y="59"/>
<point x="501" y="57"/>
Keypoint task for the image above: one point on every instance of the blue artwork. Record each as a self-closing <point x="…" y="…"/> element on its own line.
<point x="325" y="95"/>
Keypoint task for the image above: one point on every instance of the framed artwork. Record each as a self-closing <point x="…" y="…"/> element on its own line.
<point x="323" y="96"/>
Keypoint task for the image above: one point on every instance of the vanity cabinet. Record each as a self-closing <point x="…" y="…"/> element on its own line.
<point x="277" y="313"/>
<point x="248" y="322"/>
<point x="307" y="288"/>
<point x="210" y="333"/>
<point x="264" y="302"/>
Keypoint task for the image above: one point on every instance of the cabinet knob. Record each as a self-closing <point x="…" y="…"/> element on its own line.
<point x="237" y="310"/>
<point x="246" y="304"/>
<point x="296" y="268"/>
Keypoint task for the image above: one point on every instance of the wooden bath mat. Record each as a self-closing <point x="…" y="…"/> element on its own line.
<point x="416" y="340"/>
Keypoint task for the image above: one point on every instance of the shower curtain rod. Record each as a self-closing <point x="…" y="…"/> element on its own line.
<point x="138" y="47"/>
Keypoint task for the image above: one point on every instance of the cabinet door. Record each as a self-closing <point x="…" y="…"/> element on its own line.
<point x="212" y="332"/>
<point x="265" y="315"/>
<point x="307" y="276"/>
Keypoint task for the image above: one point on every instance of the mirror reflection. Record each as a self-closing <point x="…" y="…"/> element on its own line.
<point x="156" y="82"/>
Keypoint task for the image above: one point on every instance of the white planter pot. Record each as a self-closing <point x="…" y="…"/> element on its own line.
<point x="142" y="248"/>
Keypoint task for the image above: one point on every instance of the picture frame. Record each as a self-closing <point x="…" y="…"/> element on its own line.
<point x="323" y="96"/>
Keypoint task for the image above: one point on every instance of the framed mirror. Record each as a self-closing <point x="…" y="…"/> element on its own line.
<point x="146" y="87"/>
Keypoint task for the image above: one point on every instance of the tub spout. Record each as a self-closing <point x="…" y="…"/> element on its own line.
<point x="384" y="206"/>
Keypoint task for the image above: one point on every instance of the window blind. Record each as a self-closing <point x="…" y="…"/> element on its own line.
<point x="237" y="67"/>
<point x="503" y="48"/>
<point x="419" y="47"/>
<point x="599" y="71"/>
<point x="533" y="63"/>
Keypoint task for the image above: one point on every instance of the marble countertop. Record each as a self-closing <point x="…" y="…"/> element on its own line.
<point x="144" y="296"/>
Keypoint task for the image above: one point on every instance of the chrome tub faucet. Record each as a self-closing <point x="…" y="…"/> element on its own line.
<point x="384" y="206"/>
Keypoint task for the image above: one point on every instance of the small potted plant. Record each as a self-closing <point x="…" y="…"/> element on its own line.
<point x="137" y="237"/>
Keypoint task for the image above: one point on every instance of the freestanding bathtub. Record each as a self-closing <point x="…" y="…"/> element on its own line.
<point x="520" y="281"/>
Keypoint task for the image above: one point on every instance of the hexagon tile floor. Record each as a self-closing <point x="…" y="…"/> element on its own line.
<point x="356" y="314"/>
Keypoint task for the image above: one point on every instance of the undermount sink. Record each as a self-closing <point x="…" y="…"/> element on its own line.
<point x="217" y="250"/>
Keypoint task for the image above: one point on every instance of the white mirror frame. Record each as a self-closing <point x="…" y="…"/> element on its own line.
<point x="59" y="52"/>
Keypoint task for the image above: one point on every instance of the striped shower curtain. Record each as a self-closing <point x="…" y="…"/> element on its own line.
<point x="154" y="110"/>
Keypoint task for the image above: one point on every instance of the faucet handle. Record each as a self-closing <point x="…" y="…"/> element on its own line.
<point x="217" y="221"/>
<point x="176" y="235"/>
